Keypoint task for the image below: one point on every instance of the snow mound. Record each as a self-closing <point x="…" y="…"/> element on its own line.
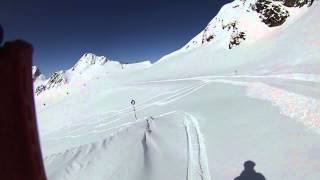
<point x="165" y="147"/>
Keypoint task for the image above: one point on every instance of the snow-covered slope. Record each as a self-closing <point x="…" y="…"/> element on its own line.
<point x="133" y="152"/>
<point x="290" y="48"/>
<point x="246" y="21"/>
<point x="202" y="111"/>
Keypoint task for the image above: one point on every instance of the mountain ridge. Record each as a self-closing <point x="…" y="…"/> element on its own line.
<point x="241" y="20"/>
<point x="238" y="23"/>
<point x="88" y="64"/>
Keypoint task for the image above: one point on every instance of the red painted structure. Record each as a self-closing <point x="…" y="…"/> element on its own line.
<point x="20" y="153"/>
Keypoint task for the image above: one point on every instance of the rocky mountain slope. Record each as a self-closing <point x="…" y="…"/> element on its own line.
<point x="246" y="20"/>
<point x="239" y="22"/>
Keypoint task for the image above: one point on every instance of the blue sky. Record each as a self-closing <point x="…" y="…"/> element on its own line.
<point x="126" y="30"/>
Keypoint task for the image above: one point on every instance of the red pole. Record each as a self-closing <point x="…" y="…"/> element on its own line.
<point x="20" y="153"/>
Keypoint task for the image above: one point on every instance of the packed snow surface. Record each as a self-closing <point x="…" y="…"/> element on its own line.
<point x="201" y="112"/>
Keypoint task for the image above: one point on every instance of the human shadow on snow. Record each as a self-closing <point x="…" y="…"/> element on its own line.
<point x="249" y="173"/>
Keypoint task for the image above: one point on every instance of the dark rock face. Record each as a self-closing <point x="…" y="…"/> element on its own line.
<point x="56" y="79"/>
<point x="40" y="89"/>
<point x="275" y="14"/>
<point x="208" y="39"/>
<point x="271" y="14"/>
<point x="207" y="36"/>
<point x="230" y="26"/>
<point x="297" y="3"/>
<point x="237" y="36"/>
<point x="236" y="39"/>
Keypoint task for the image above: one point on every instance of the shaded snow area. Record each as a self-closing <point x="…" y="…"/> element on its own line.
<point x="202" y="111"/>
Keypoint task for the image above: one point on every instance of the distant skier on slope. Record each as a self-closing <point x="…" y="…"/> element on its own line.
<point x="149" y="121"/>
<point x="249" y="173"/>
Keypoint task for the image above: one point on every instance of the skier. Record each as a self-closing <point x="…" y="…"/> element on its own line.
<point x="249" y="173"/>
<point x="149" y="120"/>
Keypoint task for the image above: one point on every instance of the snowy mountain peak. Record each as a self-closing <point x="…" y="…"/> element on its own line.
<point x="88" y="60"/>
<point x="246" y="21"/>
<point x="88" y="67"/>
<point x="37" y="76"/>
<point x="35" y="72"/>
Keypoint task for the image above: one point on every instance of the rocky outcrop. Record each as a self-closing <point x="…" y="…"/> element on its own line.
<point x="270" y="13"/>
<point x="40" y="89"/>
<point x="236" y="39"/>
<point x="237" y="36"/>
<point x="237" y="22"/>
<point x="207" y="35"/>
<point x="56" y="79"/>
<point x="274" y="12"/>
<point x="297" y="3"/>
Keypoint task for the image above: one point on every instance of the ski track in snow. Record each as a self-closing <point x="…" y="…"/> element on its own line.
<point x="100" y="120"/>
<point x="300" y="77"/>
<point x="288" y="103"/>
<point x="197" y="156"/>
